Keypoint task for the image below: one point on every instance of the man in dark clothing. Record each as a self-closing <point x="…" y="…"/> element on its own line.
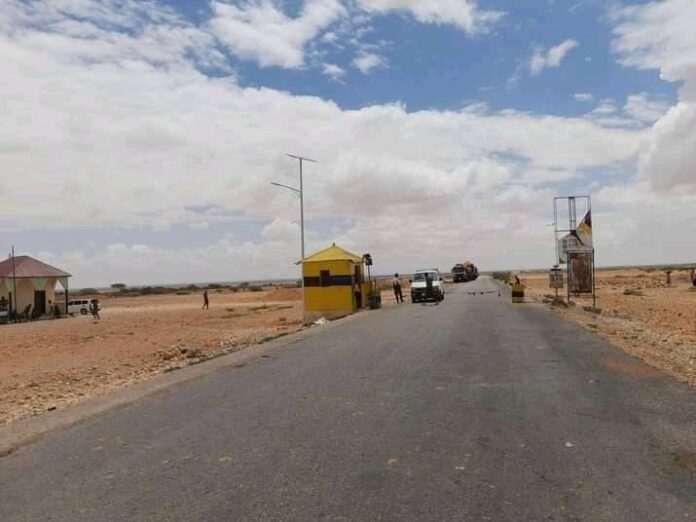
<point x="429" y="291"/>
<point x="206" y="303"/>
<point x="396" y="284"/>
<point x="94" y="308"/>
<point x="693" y="277"/>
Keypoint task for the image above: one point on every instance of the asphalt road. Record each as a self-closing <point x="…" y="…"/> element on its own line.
<point x="475" y="409"/>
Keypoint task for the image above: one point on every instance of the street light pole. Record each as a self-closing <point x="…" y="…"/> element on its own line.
<point x="301" y="159"/>
<point x="300" y="193"/>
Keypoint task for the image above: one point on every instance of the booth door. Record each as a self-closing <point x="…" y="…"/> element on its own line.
<point x="39" y="303"/>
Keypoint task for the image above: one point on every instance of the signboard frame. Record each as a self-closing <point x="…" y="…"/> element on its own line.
<point x="564" y="250"/>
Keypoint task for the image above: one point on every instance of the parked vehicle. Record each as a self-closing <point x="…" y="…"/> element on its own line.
<point x="464" y="272"/>
<point x="419" y="286"/>
<point x="82" y="306"/>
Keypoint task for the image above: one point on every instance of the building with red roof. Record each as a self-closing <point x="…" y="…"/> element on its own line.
<point x="27" y="284"/>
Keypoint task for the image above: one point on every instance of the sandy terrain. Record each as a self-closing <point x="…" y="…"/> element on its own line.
<point x="640" y="314"/>
<point x="47" y="364"/>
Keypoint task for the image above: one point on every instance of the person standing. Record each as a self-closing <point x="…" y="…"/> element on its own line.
<point x="429" y="294"/>
<point x="206" y="303"/>
<point x="94" y="308"/>
<point x="693" y="277"/>
<point x="396" y="284"/>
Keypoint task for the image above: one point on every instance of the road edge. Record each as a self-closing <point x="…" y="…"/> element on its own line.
<point x="28" y="430"/>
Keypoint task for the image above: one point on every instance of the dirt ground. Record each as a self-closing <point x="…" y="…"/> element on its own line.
<point x="47" y="364"/>
<point x="640" y="313"/>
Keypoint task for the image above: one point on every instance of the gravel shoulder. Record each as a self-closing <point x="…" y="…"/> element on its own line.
<point x="640" y="314"/>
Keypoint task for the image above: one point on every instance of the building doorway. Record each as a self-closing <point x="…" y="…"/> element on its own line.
<point x="39" y="303"/>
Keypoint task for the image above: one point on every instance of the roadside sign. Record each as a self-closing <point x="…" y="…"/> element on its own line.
<point x="580" y="272"/>
<point x="570" y="242"/>
<point x="556" y="278"/>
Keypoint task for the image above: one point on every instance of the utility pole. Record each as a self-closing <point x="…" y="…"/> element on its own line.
<point x="14" y="283"/>
<point x="300" y="193"/>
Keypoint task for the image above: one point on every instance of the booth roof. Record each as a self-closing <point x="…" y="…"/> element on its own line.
<point x="26" y="266"/>
<point x="333" y="253"/>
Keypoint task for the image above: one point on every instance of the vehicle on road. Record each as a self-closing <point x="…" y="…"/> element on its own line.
<point x="82" y="306"/>
<point x="464" y="272"/>
<point x="419" y="286"/>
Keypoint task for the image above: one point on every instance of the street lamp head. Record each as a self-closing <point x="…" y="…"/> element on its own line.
<point x="301" y="158"/>
<point x="296" y="191"/>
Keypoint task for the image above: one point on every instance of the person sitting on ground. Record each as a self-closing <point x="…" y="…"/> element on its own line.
<point x="396" y="284"/>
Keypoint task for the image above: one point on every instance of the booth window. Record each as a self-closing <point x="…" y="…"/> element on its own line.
<point x="325" y="277"/>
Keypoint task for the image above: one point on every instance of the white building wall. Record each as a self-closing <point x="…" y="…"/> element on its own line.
<point x="25" y="292"/>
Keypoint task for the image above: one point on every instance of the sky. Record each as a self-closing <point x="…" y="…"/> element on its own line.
<point x="140" y="138"/>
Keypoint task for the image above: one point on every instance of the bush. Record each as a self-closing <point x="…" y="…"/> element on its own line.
<point x="256" y="288"/>
<point x="632" y="291"/>
<point x="502" y="276"/>
<point x="118" y="286"/>
<point x="85" y="291"/>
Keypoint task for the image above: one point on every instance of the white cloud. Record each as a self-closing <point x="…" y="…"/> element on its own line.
<point x="462" y="13"/>
<point x="281" y="228"/>
<point x="261" y="31"/>
<point x="644" y="109"/>
<point x="366" y="62"/>
<point x="660" y="35"/>
<point x="583" y="97"/>
<point x="552" y="58"/>
<point x="333" y="71"/>
<point x="124" y="131"/>
<point x="605" y="107"/>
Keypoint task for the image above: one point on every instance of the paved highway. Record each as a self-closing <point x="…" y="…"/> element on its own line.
<point x="475" y="409"/>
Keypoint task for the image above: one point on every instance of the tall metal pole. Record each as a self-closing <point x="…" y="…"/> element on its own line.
<point x="300" y="193"/>
<point x="302" y="216"/>
<point x="14" y="282"/>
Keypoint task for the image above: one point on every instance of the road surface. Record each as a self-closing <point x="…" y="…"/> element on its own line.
<point x="475" y="409"/>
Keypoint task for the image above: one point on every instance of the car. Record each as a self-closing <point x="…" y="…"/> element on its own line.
<point x="419" y="286"/>
<point x="82" y="306"/>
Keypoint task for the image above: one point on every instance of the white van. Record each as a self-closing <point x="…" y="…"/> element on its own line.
<point x="82" y="306"/>
<point x="419" y="286"/>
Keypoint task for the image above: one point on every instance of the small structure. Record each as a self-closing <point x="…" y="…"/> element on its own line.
<point x="27" y="285"/>
<point x="334" y="284"/>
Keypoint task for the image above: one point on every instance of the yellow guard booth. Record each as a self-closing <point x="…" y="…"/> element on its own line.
<point x="334" y="284"/>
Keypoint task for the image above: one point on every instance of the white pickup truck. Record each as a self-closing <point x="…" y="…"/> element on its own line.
<point x="424" y="279"/>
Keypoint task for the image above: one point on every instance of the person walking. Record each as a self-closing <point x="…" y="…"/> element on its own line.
<point x="206" y="303"/>
<point x="94" y="308"/>
<point x="396" y="284"/>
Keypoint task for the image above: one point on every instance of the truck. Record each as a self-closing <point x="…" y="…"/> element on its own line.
<point x="464" y="272"/>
